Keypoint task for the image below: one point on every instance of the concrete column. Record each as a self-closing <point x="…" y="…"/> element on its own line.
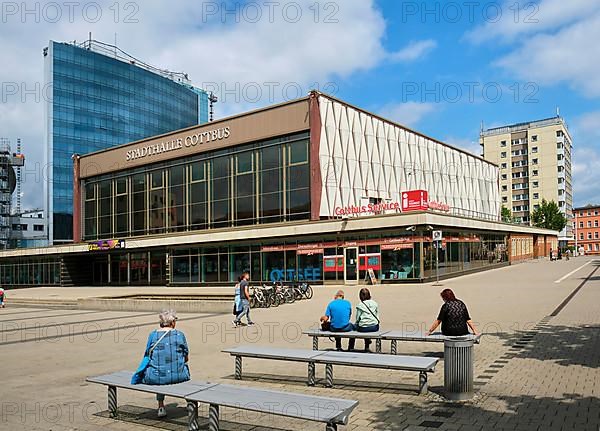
<point x="77" y="221"/>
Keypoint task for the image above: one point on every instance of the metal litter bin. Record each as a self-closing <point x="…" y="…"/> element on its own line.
<point x="458" y="368"/>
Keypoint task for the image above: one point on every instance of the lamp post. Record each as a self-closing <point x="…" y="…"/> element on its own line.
<point x="575" y="252"/>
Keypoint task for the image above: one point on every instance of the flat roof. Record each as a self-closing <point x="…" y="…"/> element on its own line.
<point x="282" y="104"/>
<point x="275" y="231"/>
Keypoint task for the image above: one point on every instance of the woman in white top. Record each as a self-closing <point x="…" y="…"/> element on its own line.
<point x="367" y="317"/>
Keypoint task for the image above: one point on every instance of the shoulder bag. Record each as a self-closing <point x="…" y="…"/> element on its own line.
<point x="371" y="311"/>
<point x="138" y="376"/>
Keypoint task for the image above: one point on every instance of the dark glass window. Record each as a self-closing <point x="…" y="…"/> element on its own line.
<point x="220" y="191"/>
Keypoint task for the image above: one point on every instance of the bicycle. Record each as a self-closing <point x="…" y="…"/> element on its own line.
<point x="303" y="290"/>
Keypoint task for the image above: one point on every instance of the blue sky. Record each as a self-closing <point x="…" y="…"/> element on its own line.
<point x="415" y="62"/>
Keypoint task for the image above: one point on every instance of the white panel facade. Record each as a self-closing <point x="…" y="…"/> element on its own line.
<point x="363" y="157"/>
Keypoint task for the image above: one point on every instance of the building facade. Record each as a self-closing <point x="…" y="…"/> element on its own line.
<point x="535" y="164"/>
<point x="98" y="97"/>
<point x="28" y="229"/>
<point x="586" y="229"/>
<point x="313" y="189"/>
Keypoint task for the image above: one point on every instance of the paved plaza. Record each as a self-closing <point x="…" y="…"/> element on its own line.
<point x="537" y="367"/>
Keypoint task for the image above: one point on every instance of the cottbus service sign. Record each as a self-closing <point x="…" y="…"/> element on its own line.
<point x="412" y="200"/>
<point x="366" y="209"/>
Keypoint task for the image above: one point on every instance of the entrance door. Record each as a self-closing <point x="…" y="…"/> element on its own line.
<point x="351" y="265"/>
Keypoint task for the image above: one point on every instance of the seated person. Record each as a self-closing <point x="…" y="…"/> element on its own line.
<point x="453" y="316"/>
<point x="367" y="317"/>
<point x="338" y="316"/>
<point x="169" y="357"/>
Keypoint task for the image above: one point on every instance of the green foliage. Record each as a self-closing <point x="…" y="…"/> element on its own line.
<point x="548" y="216"/>
<point x="506" y="215"/>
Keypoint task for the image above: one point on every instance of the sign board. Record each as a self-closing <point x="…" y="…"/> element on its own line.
<point x="436" y="235"/>
<point x="366" y="209"/>
<point x="106" y="244"/>
<point x="415" y="200"/>
<point x="372" y="277"/>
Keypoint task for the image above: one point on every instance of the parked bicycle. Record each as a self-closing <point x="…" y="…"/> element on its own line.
<point x="276" y="293"/>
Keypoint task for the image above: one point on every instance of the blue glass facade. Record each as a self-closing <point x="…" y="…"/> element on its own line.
<point x="98" y="102"/>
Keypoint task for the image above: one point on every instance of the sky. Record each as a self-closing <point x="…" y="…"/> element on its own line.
<point x="443" y="68"/>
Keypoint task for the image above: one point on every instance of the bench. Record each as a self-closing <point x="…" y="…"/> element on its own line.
<point x="423" y="365"/>
<point x="436" y="337"/>
<point x="331" y="411"/>
<point x="393" y="336"/>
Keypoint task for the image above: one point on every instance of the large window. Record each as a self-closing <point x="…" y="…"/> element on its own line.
<point x="252" y="184"/>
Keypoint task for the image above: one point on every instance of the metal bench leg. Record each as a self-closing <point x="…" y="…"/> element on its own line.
<point x="394" y="347"/>
<point x="311" y="374"/>
<point x="112" y="401"/>
<point x="192" y="408"/>
<point x="213" y="417"/>
<point x="378" y="345"/>
<point x="422" y="382"/>
<point x="238" y="368"/>
<point x="315" y="343"/>
<point x="331" y="427"/>
<point x="329" y="375"/>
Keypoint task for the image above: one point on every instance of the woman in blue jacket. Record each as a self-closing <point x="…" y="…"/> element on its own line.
<point x="169" y="357"/>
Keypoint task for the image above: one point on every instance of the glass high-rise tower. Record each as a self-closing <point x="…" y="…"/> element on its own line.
<point x="98" y="96"/>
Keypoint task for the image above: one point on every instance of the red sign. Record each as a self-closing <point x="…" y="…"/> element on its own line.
<point x="415" y="200"/>
<point x="433" y="205"/>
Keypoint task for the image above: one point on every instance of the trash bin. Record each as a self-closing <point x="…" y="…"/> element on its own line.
<point x="458" y="368"/>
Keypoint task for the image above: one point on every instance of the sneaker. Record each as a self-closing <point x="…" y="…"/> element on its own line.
<point x="235" y="324"/>
<point x="162" y="412"/>
<point x="250" y="323"/>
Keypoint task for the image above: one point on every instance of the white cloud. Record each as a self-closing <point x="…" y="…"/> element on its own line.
<point x="571" y="55"/>
<point x="414" y="50"/>
<point x="240" y="56"/>
<point x="586" y="158"/>
<point x="470" y="145"/>
<point x="408" y="114"/>
<point x="518" y="19"/>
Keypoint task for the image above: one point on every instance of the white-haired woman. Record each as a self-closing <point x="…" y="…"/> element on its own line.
<point x="168" y="358"/>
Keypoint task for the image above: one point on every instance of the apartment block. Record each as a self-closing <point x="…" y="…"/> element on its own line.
<point x="586" y="229"/>
<point x="535" y="163"/>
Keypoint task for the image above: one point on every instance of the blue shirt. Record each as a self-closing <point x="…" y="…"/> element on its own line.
<point x="339" y="312"/>
<point x="167" y="362"/>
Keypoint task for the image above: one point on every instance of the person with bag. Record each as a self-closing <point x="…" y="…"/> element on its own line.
<point x="244" y="293"/>
<point x="367" y="317"/>
<point x="165" y="359"/>
<point x="237" y="300"/>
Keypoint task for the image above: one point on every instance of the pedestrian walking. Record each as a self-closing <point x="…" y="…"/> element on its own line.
<point x="244" y="294"/>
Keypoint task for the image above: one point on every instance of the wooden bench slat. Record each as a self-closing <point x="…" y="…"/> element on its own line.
<point x="436" y="337"/>
<point x="374" y="360"/>
<point x="300" y="406"/>
<point x="122" y="379"/>
<point x="408" y="363"/>
<point x="301" y="355"/>
<point x="349" y="334"/>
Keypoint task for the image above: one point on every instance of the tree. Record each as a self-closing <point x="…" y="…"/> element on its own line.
<point x="548" y="216"/>
<point x="506" y="215"/>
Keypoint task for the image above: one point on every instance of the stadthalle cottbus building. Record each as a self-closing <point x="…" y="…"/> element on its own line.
<point x="312" y="189"/>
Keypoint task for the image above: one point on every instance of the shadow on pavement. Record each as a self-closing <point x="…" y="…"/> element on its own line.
<point x="176" y="419"/>
<point x="564" y="345"/>
<point x="503" y="413"/>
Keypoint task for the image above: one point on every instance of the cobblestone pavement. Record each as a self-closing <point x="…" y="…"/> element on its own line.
<point x="537" y="367"/>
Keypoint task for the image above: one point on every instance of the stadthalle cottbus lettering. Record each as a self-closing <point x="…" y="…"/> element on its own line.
<point x="176" y="144"/>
